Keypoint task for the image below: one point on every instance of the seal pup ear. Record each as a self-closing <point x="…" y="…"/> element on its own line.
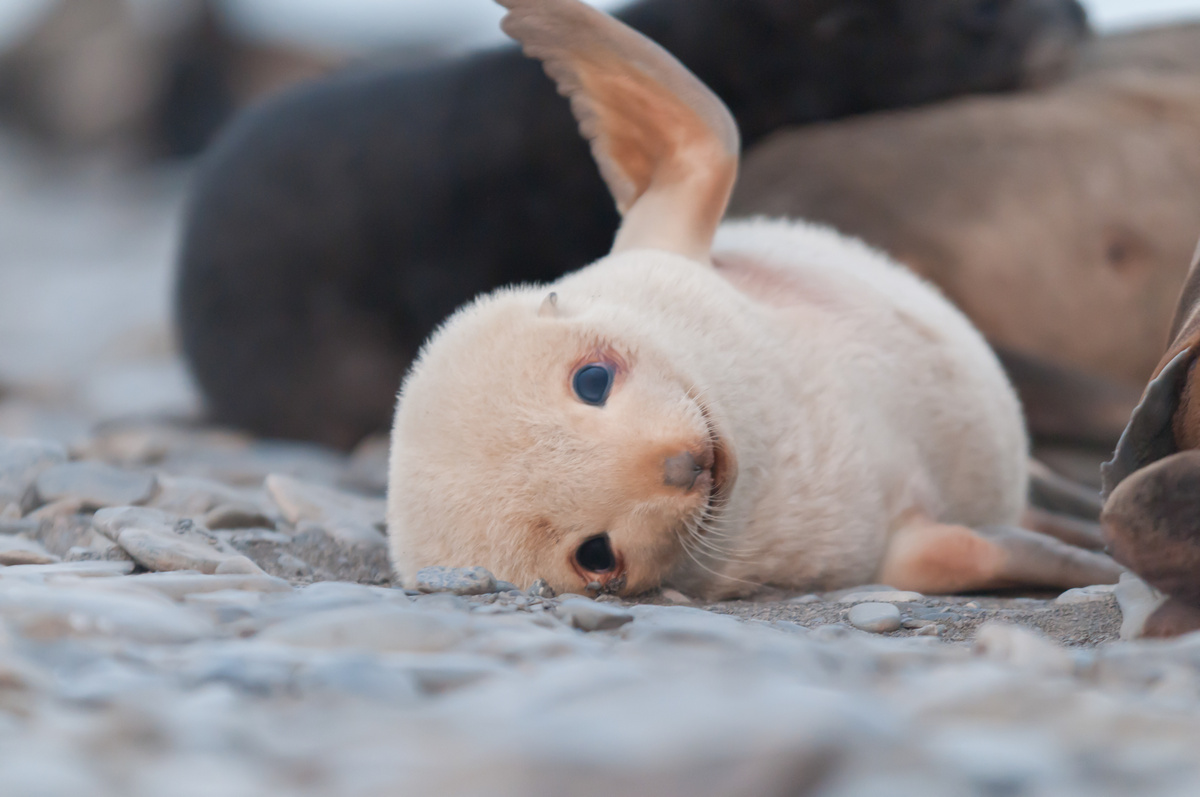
<point x="666" y="145"/>
<point x="549" y="307"/>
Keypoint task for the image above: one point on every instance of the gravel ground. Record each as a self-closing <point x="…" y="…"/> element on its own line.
<point x="189" y="611"/>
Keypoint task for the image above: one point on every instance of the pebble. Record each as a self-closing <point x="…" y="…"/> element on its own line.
<point x="21" y="462"/>
<point x="456" y="580"/>
<point x="380" y="627"/>
<point x="178" y="585"/>
<point x="882" y="596"/>
<point x="159" y="541"/>
<point x="878" y="618"/>
<point x="1023" y="648"/>
<point x="305" y="501"/>
<point x="1098" y="592"/>
<point x="84" y="569"/>
<point x="193" y="497"/>
<point x="94" y="485"/>
<point x="293" y="566"/>
<point x="237" y="516"/>
<point x="346" y="533"/>
<point x="48" y="612"/>
<point x="675" y="597"/>
<point x="1138" y="600"/>
<point x="18" y="551"/>
<point x="587" y="615"/>
<point x="540" y="589"/>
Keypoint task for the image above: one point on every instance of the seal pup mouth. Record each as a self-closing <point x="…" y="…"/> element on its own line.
<point x="720" y="471"/>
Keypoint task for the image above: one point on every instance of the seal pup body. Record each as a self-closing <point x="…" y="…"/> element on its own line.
<point x="781" y="407"/>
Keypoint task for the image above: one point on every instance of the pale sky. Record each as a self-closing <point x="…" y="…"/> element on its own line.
<point x="356" y="24"/>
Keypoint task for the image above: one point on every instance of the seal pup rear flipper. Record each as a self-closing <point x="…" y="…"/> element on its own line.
<point x="666" y="146"/>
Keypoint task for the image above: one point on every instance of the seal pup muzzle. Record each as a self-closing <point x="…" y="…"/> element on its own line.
<point x="714" y="407"/>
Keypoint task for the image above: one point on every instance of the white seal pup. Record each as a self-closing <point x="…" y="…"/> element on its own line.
<point x="713" y="407"/>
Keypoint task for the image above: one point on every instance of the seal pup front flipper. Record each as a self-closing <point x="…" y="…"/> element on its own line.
<point x="666" y="146"/>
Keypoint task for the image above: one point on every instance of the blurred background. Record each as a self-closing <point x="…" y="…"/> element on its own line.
<point x="104" y="106"/>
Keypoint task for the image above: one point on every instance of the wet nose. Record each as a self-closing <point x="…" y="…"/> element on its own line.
<point x="681" y="471"/>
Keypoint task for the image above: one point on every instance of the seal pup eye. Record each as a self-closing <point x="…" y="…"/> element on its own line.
<point x="596" y="555"/>
<point x="592" y="383"/>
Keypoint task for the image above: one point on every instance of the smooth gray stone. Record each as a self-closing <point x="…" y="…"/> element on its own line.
<point x="293" y="566"/>
<point x="21" y="462"/>
<point x="18" y="551"/>
<point x="237" y="516"/>
<point x="346" y="533"/>
<point x="300" y="501"/>
<point x="891" y="596"/>
<point x="94" y="484"/>
<point x="60" y="610"/>
<point x="94" y="546"/>
<point x="1097" y="592"/>
<point x="192" y="497"/>
<point x="180" y="584"/>
<point x="456" y="580"/>
<point x="381" y="627"/>
<point x="159" y="541"/>
<point x="83" y="569"/>
<point x="1137" y="600"/>
<point x="878" y="618"/>
<point x="587" y="615"/>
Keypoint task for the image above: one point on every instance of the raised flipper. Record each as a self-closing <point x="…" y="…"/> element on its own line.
<point x="666" y="145"/>
<point x="937" y="558"/>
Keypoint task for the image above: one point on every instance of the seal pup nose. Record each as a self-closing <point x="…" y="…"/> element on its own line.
<point x="682" y="471"/>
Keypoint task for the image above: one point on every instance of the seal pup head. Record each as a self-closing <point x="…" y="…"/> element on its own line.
<point x="549" y="435"/>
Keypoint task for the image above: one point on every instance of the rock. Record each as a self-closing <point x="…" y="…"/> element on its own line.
<point x="159" y="541"/>
<point x="932" y="629"/>
<point x="883" y="596"/>
<point x="17" y="551"/>
<point x="300" y="501"/>
<point x="540" y="589"/>
<point x="805" y="599"/>
<point x="96" y="547"/>
<point x="937" y="614"/>
<point x="59" y="510"/>
<point x="21" y="462"/>
<point x="237" y="516"/>
<point x="48" y="612"/>
<point x="381" y="627"/>
<point x="587" y="615"/>
<point x="193" y="497"/>
<point x="1021" y="647"/>
<point x="1098" y="592"/>
<point x="94" y="484"/>
<point x="293" y="566"/>
<point x="346" y="533"/>
<point x="84" y="569"/>
<point x="456" y="580"/>
<point x="1138" y="600"/>
<point x="178" y="585"/>
<point x="675" y="597"/>
<point x="878" y="618"/>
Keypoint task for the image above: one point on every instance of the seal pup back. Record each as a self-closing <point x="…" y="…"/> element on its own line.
<point x="714" y="407"/>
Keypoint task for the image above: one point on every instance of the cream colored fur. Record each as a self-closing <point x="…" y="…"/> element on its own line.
<point x="850" y="405"/>
<point x="840" y="397"/>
